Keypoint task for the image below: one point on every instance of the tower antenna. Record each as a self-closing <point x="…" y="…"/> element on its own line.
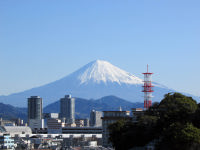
<point x="147" y="89"/>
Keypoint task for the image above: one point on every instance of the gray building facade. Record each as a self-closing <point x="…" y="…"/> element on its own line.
<point x="34" y="107"/>
<point x="95" y="118"/>
<point x="67" y="109"/>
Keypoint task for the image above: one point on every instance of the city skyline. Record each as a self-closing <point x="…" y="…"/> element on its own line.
<point x="43" y="41"/>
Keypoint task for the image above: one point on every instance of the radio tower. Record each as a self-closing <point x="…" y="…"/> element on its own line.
<point x="147" y="89"/>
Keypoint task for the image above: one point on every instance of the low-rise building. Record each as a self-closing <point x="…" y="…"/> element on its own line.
<point x="17" y="130"/>
<point x="50" y="115"/>
<point x="6" y="142"/>
<point x="54" y="126"/>
<point x="79" y="122"/>
<point x="82" y="130"/>
<point x="35" y="124"/>
<point x="7" y="122"/>
<point x="110" y="117"/>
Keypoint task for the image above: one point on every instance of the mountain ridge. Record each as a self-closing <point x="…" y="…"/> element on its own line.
<point x="84" y="106"/>
<point x="92" y="81"/>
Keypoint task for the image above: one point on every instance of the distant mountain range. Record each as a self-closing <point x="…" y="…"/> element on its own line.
<point x="82" y="107"/>
<point x="9" y="112"/>
<point x="93" y="81"/>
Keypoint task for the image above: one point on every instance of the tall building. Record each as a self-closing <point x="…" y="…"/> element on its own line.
<point x="67" y="109"/>
<point x="34" y="107"/>
<point x="95" y="118"/>
<point x="35" y="112"/>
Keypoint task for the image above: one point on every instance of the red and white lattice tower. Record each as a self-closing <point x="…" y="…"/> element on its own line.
<point x="147" y="89"/>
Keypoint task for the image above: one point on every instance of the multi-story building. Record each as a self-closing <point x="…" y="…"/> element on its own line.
<point x="36" y="124"/>
<point x="86" y="122"/>
<point x="6" y="142"/>
<point x="67" y="109"/>
<point x="79" y="122"/>
<point x="54" y="126"/>
<point x="7" y="122"/>
<point x="47" y="116"/>
<point x="95" y="118"/>
<point x="50" y="115"/>
<point x="34" y="107"/>
<point x="110" y="117"/>
<point x="35" y="112"/>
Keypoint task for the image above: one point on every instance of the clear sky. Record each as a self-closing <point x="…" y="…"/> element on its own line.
<point x="44" y="40"/>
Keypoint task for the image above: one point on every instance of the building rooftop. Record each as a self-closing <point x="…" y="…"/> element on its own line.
<point x="35" y="97"/>
<point x="2" y="129"/>
<point x="18" y="129"/>
<point x="116" y="111"/>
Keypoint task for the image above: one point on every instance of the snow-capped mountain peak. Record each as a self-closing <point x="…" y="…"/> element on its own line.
<point x="94" y="80"/>
<point x="102" y="71"/>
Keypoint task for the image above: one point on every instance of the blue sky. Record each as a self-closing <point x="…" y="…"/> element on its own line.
<point x="44" y="40"/>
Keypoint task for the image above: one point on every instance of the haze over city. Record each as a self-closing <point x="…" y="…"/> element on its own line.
<point x="43" y="41"/>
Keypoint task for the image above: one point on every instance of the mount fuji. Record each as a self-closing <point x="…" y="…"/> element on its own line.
<point x="96" y="79"/>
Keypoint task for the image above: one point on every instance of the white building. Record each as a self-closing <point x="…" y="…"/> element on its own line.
<point x="16" y="130"/>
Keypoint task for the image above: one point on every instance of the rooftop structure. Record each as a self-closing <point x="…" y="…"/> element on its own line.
<point x="50" y="115"/>
<point x="82" y="130"/>
<point x="13" y="130"/>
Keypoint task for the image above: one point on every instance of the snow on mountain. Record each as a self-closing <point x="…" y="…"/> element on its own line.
<point x="94" y="80"/>
<point x="102" y="71"/>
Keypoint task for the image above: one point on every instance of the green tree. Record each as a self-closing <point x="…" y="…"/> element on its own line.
<point x="180" y="137"/>
<point x="196" y="117"/>
<point x="176" y="107"/>
<point x="125" y="135"/>
<point x="173" y="123"/>
<point x="115" y="136"/>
